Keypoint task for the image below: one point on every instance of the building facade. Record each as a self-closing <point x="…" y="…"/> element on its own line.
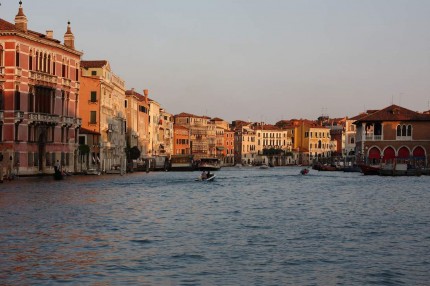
<point x="39" y="96"/>
<point x="137" y="124"/>
<point x="393" y="133"/>
<point x="102" y="110"/>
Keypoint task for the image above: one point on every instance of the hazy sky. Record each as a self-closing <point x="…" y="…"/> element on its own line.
<point x="253" y="60"/>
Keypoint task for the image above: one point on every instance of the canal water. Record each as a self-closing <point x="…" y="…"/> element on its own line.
<point x="248" y="227"/>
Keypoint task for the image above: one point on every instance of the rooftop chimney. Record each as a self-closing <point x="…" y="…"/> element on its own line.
<point x="146" y="92"/>
<point x="49" y="34"/>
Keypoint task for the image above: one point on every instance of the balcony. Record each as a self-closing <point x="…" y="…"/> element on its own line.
<point x="18" y="71"/>
<point x="78" y="121"/>
<point x="66" y="82"/>
<point x="19" y="116"/>
<point x="67" y="121"/>
<point x="42" y="77"/>
<point x="43" y="118"/>
<point x="403" y="138"/>
<point x="372" y="137"/>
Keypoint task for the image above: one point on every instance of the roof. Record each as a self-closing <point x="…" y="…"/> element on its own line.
<point x="93" y="64"/>
<point x="267" y="127"/>
<point x="395" y="113"/>
<point x="184" y="114"/>
<point x="7" y="26"/>
<point x="139" y="96"/>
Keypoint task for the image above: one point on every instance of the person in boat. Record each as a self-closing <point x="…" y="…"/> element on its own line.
<point x="203" y="175"/>
<point x="209" y="174"/>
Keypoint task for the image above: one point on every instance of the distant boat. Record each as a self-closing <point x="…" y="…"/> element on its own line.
<point x="264" y="166"/>
<point x="211" y="178"/>
<point x="209" y="164"/>
<point x="304" y="171"/>
<point x="369" y="170"/>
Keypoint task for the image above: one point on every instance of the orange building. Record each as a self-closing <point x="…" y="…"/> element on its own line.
<point x="181" y="140"/>
<point x="38" y="98"/>
<point x="228" y="152"/>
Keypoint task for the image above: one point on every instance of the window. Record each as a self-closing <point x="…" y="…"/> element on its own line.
<point x="125" y="103"/>
<point x="17" y="57"/>
<point x="404" y="132"/>
<point x="93" y="96"/>
<point x="1" y="100"/>
<point x="93" y="117"/>
<point x="17" y="100"/>
<point x="30" y="61"/>
<point x="93" y="72"/>
<point x="1" y="55"/>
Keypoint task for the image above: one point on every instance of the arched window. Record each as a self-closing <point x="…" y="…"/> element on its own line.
<point x="403" y="130"/>
<point x="409" y="130"/>
<point x="49" y="64"/>
<point x="37" y="61"/>
<point x="1" y="100"/>
<point x="1" y="55"/>
<point x="17" y="57"/>
<point x="44" y="62"/>
<point x="352" y="140"/>
<point x="40" y="62"/>
<point x="399" y="131"/>
<point x="30" y="60"/>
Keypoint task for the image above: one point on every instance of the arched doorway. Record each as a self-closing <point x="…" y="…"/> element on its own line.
<point x="419" y="152"/>
<point x="389" y="154"/>
<point x="403" y="153"/>
<point x="374" y="155"/>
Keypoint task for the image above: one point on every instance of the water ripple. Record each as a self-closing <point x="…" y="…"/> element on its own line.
<point x="249" y="227"/>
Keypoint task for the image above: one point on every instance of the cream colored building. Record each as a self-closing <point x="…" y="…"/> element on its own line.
<point x="137" y="110"/>
<point x="245" y="145"/>
<point x="165" y="134"/>
<point x="271" y="137"/>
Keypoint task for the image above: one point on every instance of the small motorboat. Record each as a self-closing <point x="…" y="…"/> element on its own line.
<point x="304" y="171"/>
<point x="211" y="178"/>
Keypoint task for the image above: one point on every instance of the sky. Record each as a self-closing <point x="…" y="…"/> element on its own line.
<point x="256" y="60"/>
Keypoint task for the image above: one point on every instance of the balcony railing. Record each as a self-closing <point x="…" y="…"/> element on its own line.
<point x="66" y="82"/>
<point x="18" y="71"/>
<point x="372" y="137"/>
<point x="43" y="118"/>
<point x="41" y="76"/>
<point x="67" y="121"/>
<point x="404" y="138"/>
<point x="78" y="121"/>
<point x="19" y="116"/>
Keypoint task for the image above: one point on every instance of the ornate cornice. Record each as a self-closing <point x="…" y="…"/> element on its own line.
<point x="40" y="40"/>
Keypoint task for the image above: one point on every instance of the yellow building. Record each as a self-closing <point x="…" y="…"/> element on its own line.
<point x="310" y="142"/>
